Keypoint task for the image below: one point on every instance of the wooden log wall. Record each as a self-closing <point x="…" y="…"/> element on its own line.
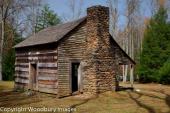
<point x="120" y="56"/>
<point x="46" y="60"/>
<point x="71" y="49"/>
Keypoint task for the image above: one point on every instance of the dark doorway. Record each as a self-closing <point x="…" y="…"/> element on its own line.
<point x="33" y="74"/>
<point x="74" y="77"/>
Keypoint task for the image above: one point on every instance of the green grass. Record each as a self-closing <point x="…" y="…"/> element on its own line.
<point x="152" y="98"/>
<point x="6" y="85"/>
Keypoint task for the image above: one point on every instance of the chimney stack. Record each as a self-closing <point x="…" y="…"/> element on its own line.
<point x="99" y="57"/>
<point x="98" y="23"/>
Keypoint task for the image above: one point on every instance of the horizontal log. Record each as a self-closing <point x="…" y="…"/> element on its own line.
<point x="46" y="57"/>
<point x="64" y="83"/>
<point x="37" y="56"/>
<point x="47" y="86"/>
<point x="37" y="53"/>
<point x="47" y="71"/>
<point x="63" y="77"/>
<point x="21" y="72"/>
<point x="50" y="68"/>
<point x="32" y="58"/>
<point x="21" y="69"/>
<point x="47" y="60"/>
<point x="22" y="77"/>
<point x="47" y="77"/>
<point x="21" y="58"/>
<point x="23" y="66"/>
<point x="47" y="64"/>
<point x="29" y="58"/>
<point x="21" y="84"/>
<point x="47" y="82"/>
<point x="21" y="80"/>
<point x="16" y="63"/>
<point x="48" y="90"/>
<point x="46" y="74"/>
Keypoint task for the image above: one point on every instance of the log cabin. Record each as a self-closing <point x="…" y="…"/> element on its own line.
<point x="78" y="56"/>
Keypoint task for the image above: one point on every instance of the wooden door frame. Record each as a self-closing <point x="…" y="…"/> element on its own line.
<point x="30" y="76"/>
<point x="70" y="75"/>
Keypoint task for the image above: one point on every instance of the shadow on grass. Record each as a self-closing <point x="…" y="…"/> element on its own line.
<point x="122" y="88"/>
<point x="83" y="102"/>
<point x="148" y="108"/>
<point x="167" y="98"/>
<point x="8" y="99"/>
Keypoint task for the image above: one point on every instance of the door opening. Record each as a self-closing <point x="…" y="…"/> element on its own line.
<point x="74" y="76"/>
<point x="33" y="76"/>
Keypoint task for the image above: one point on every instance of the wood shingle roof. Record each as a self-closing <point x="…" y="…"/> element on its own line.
<point x="50" y="34"/>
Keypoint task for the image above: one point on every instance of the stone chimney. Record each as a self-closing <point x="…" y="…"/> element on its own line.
<point x="98" y="23"/>
<point x="99" y="57"/>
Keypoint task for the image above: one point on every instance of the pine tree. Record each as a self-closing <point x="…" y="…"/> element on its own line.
<point x="156" y="47"/>
<point x="46" y="19"/>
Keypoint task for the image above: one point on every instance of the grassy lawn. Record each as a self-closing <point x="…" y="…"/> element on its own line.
<point x="6" y="85"/>
<point x="152" y="98"/>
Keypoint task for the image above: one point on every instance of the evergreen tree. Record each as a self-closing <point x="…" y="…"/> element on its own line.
<point x="156" y="47"/>
<point x="164" y="73"/>
<point x="46" y="19"/>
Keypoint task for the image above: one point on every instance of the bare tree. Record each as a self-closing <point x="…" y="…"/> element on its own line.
<point x="31" y="16"/>
<point x="7" y="10"/>
<point x="9" y="13"/>
<point x="75" y="7"/>
<point x="130" y="33"/>
<point x="113" y="5"/>
<point x="155" y="4"/>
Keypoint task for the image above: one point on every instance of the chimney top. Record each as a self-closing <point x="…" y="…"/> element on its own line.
<point x="97" y="7"/>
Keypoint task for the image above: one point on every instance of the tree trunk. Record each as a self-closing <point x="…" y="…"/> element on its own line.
<point x="131" y="75"/>
<point x="1" y="47"/>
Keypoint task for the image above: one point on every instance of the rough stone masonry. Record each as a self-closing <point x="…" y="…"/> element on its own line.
<point x="99" y="55"/>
